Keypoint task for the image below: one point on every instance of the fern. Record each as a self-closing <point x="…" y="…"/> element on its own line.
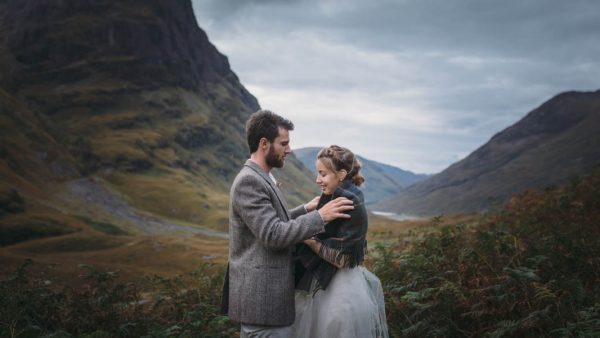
<point x="505" y="328"/>
<point x="530" y="269"/>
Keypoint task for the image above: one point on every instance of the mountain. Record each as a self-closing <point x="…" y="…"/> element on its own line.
<point x="381" y="180"/>
<point x="552" y="144"/>
<point x="123" y="113"/>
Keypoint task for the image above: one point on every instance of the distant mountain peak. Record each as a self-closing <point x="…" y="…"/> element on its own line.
<point x="555" y="115"/>
<point x="552" y="143"/>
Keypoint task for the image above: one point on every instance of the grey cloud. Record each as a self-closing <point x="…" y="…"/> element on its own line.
<point x="469" y="67"/>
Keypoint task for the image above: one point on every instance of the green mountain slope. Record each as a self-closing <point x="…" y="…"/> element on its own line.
<point x="125" y="100"/>
<point x="553" y="143"/>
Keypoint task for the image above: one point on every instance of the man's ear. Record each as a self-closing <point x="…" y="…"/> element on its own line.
<point x="263" y="143"/>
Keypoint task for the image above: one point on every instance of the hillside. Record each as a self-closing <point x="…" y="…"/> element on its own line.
<point x="381" y="180"/>
<point x="553" y="143"/>
<point x="130" y="95"/>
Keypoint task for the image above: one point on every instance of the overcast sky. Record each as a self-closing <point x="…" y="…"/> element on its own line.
<point x="418" y="84"/>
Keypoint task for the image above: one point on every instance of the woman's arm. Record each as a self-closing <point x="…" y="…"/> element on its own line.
<point x="315" y="246"/>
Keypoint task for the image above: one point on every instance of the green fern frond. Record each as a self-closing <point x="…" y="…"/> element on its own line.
<point x="522" y="273"/>
<point x="505" y="328"/>
<point x="545" y="292"/>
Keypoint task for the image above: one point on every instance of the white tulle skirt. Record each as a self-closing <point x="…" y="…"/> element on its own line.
<point x="351" y="306"/>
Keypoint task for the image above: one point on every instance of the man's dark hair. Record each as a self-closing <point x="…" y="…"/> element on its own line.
<point x="264" y="123"/>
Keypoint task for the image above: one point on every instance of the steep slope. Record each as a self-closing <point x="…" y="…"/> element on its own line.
<point x="130" y="94"/>
<point x="558" y="140"/>
<point x="381" y="180"/>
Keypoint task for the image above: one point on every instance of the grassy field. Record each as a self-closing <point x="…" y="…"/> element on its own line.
<point x="66" y="227"/>
<point x="59" y="234"/>
<point x="81" y="278"/>
<point x="107" y="246"/>
<point x="386" y="230"/>
<point x="58" y="258"/>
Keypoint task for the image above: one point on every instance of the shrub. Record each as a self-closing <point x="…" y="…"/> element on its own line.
<point x="531" y="269"/>
<point x="154" y="307"/>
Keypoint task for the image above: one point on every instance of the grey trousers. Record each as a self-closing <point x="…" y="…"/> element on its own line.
<point x="253" y="331"/>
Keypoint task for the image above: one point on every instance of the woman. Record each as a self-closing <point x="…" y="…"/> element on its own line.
<point x="336" y="296"/>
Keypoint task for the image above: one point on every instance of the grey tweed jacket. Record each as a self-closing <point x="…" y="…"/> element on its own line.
<point x="259" y="284"/>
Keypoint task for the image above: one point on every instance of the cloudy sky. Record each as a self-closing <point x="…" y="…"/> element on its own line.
<point x="418" y="84"/>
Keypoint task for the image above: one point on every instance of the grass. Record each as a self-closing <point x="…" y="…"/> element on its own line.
<point x="16" y="233"/>
<point x="77" y="244"/>
<point x="175" y="195"/>
<point x="18" y="225"/>
<point x="134" y="256"/>
<point x="385" y="230"/>
<point x="106" y="228"/>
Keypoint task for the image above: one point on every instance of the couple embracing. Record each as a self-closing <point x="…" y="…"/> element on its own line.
<point x="298" y="272"/>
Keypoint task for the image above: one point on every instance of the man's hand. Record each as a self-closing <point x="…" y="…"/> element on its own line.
<point x="335" y="209"/>
<point x="312" y="205"/>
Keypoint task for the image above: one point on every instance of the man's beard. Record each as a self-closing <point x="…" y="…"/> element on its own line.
<point x="273" y="160"/>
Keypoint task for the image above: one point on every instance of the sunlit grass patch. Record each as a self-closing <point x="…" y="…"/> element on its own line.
<point x="176" y="196"/>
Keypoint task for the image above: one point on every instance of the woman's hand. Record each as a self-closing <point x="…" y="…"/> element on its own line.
<point x="310" y="242"/>
<point x="312" y="205"/>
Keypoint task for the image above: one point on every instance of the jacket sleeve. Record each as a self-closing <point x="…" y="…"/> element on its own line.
<point x="298" y="211"/>
<point x="253" y="205"/>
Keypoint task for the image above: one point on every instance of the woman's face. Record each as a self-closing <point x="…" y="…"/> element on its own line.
<point x="327" y="178"/>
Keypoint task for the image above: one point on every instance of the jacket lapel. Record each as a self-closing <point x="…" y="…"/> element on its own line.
<point x="250" y="164"/>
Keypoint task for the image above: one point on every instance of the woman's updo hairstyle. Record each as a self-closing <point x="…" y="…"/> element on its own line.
<point x="337" y="158"/>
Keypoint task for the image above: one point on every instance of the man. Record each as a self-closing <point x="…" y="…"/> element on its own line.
<point x="259" y="285"/>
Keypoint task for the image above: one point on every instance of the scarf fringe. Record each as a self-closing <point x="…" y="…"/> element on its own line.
<point x="342" y="253"/>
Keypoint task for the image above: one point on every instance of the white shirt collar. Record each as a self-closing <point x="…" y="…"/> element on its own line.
<point x="272" y="177"/>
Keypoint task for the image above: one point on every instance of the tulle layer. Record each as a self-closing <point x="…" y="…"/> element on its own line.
<point x="352" y="306"/>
